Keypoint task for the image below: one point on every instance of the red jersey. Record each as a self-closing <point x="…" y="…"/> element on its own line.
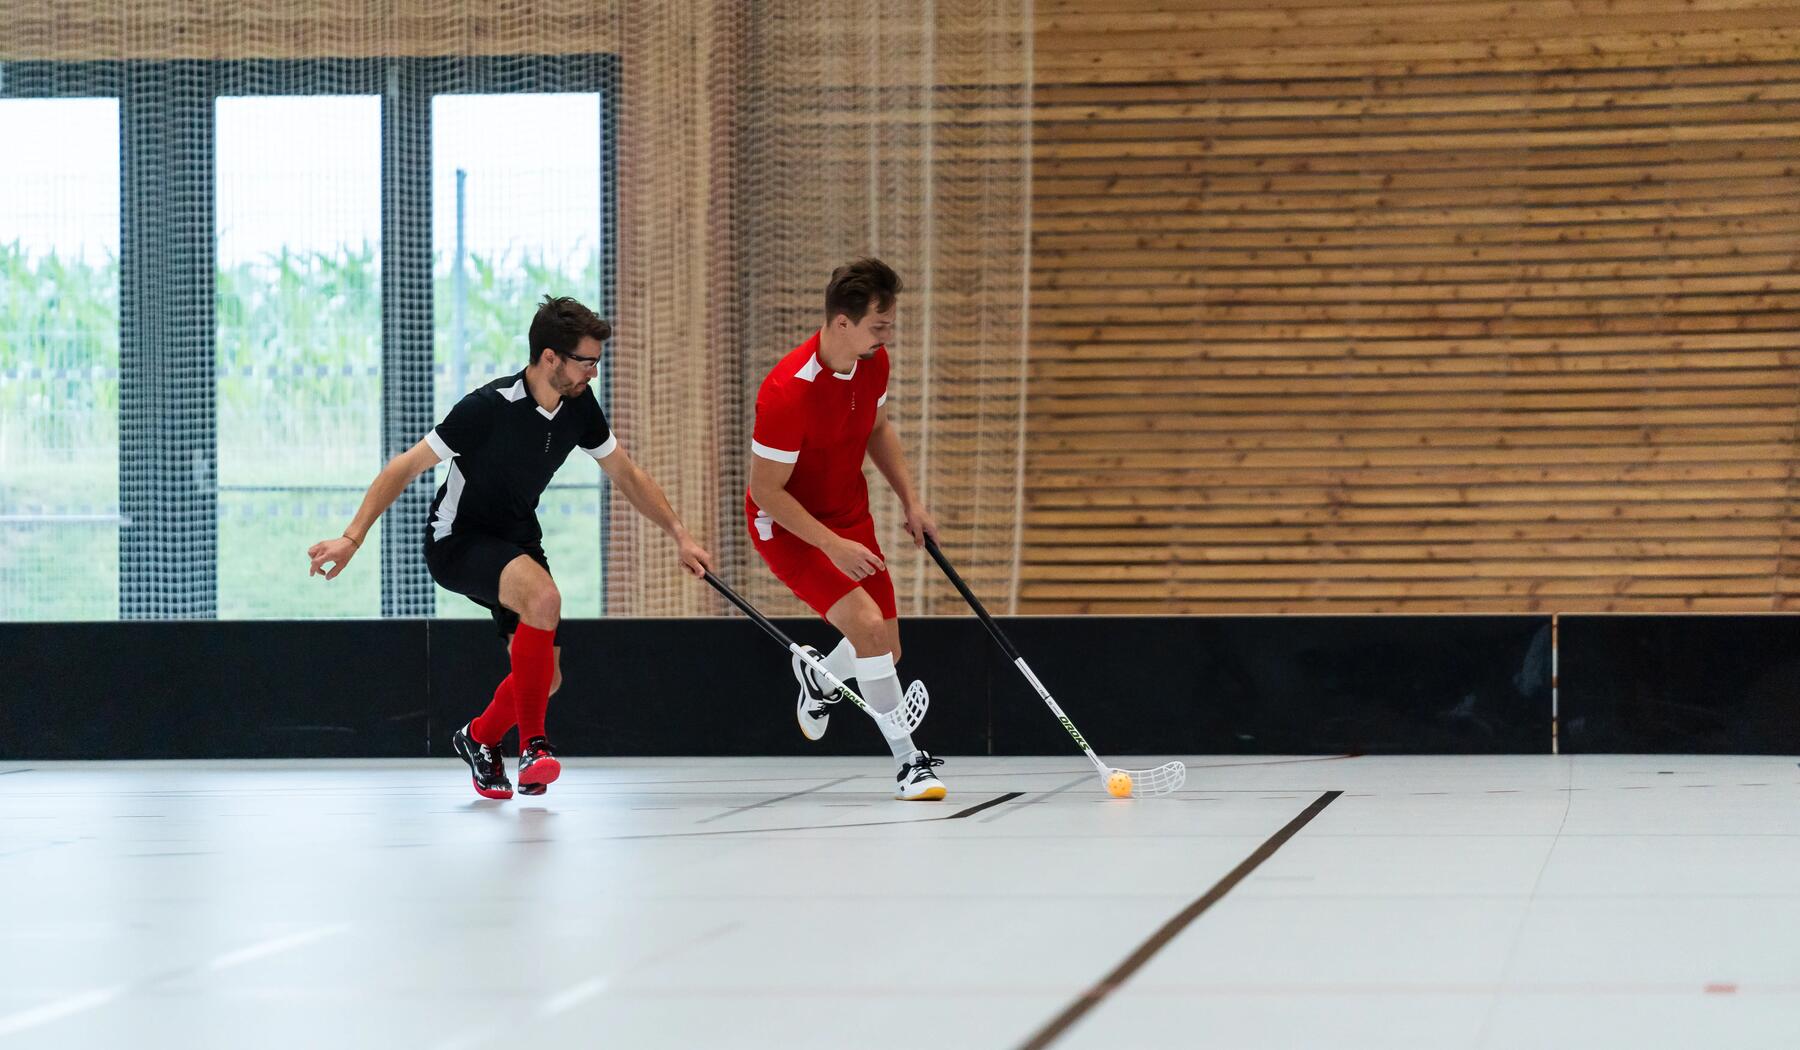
<point x="819" y="421"/>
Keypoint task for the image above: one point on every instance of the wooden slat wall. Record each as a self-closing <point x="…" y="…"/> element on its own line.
<point x="75" y="30"/>
<point x="1440" y="306"/>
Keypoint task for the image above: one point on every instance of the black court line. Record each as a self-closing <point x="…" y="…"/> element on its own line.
<point x="1135" y="961"/>
<point x="989" y="804"/>
<point x="1084" y="778"/>
<point x="9" y="772"/>
<point x="1008" y="797"/>
<point x="777" y="798"/>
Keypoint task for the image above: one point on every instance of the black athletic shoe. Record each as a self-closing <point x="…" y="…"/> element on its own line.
<point x="537" y="765"/>
<point x="487" y="770"/>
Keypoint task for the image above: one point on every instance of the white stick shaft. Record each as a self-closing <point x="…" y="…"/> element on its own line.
<point x="1025" y="669"/>
<point x="832" y="680"/>
<point x="901" y="720"/>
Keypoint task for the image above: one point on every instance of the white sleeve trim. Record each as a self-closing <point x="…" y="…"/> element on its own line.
<point x="443" y="450"/>
<point x="607" y="447"/>
<point x="775" y="454"/>
<point x="882" y="400"/>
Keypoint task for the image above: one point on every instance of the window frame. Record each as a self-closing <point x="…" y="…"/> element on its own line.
<point x="168" y="535"/>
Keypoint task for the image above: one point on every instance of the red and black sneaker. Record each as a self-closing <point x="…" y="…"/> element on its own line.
<point x="538" y="766"/>
<point x="487" y="770"/>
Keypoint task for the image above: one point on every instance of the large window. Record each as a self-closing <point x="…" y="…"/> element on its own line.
<point x="299" y="345"/>
<point x="230" y="291"/>
<point x="516" y="216"/>
<point x="59" y="359"/>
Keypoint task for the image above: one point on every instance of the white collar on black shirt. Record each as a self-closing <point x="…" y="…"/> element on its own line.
<point x="517" y="392"/>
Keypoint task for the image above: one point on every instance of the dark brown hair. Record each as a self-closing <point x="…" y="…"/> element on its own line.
<point x="561" y="324"/>
<point x="855" y="288"/>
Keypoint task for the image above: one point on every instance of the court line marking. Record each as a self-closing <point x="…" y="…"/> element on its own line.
<point x="1123" y="972"/>
<point x="778" y="798"/>
<point x="576" y="994"/>
<point x="989" y="804"/>
<point x="1085" y="778"/>
<point x="275" y="945"/>
<point x="1008" y="797"/>
<point x="57" y="1009"/>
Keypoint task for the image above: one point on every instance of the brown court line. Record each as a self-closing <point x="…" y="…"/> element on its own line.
<point x="1136" y="960"/>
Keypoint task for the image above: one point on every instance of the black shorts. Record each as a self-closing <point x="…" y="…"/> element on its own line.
<point x="470" y="564"/>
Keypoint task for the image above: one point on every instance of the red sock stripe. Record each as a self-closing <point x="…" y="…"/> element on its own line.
<point x="491" y="725"/>
<point x="533" y="667"/>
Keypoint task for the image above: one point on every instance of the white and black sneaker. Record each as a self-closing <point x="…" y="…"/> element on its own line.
<point x="917" y="783"/>
<point x="813" y="711"/>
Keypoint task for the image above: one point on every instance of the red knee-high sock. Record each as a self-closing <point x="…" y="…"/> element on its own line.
<point x="533" y="667"/>
<point x="492" y="724"/>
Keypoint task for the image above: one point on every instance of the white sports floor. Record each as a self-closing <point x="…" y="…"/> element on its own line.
<point x="1592" y="902"/>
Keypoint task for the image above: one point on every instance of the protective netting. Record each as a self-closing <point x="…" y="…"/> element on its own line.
<point x="323" y="226"/>
<point x="59" y="366"/>
<point x="905" y="135"/>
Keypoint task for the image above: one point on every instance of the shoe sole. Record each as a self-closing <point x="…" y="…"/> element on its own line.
<point x="476" y="784"/>
<point x="533" y="790"/>
<point x="543" y="771"/>
<point x="801" y="720"/>
<point x="930" y="794"/>
<point x="800" y="705"/>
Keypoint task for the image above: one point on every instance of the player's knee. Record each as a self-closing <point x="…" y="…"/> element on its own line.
<point x="544" y="607"/>
<point x="868" y="635"/>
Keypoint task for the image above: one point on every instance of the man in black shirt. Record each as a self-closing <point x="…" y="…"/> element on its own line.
<point x="504" y="441"/>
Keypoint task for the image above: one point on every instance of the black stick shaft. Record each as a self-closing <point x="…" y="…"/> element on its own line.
<point x="844" y="692"/>
<point x="1005" y="643"/>
<point x="1006" y="646"/>
<point x="750" y="611"/>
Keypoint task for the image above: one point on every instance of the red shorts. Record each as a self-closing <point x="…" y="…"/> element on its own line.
<point x="809" y="573"/>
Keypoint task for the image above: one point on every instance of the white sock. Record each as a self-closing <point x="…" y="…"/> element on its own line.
<point x="879" y="685"/>
<point x="841" y="661"/>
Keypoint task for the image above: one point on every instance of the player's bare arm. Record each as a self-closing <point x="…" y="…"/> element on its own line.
<point x="648" y="497"/>
<point x="889" y="458"/>
<point x="383" y="491"/>
<point x="768" y="490"/>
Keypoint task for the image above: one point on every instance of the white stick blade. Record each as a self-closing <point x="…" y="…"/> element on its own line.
<point x="1148" y="783"/>
<point x="912" y="707"/>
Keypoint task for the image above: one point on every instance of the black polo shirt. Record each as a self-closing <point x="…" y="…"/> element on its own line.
<point x="503" y="449"/>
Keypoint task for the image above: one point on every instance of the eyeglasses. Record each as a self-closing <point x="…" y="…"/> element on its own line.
<point x="585" y="362"/>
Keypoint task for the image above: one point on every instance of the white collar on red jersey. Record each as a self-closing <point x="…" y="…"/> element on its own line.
<point x="813" y="366"/>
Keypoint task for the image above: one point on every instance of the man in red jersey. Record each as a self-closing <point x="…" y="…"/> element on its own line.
<point x="818" y="413"/>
